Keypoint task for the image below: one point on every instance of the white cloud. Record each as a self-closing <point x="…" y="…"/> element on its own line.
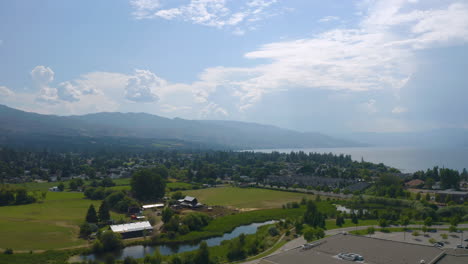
<point x="142" y="87"/>
<point x="5" y="92"/>
<point x="399" y="110"/>
<point x="213" y="110"/>
<point x="378" y="56"/>
<point x="328" y="19"/>
<point x="144" y="8"/>
<point x="42" y="75"/>
<point x="212" y="13"/>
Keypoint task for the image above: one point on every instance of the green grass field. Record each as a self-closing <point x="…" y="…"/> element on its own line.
<point x="246" y="198"/>
<point x="48" y="225"/>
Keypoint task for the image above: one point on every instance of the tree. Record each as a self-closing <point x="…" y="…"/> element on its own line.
<point x="312" y="216"/>
<point x="110" y="241"/>
<point x="91" y="216"/>
<point x="383" y="222"/>
<point x="104" y="214"/>
<point x="313" y="233"/>
<point x="148" y="184"/>
<point x="61" y="187"/>
<point x="167" y="214"/>
<point x="418" y="196"/>
<point x="85" y="230"/>
<point x="340" y="220"/>
<point x="428" y="221"/>
<point x="130" y="260"/>
<point x="203" y="255"/>
<point x="155" y="259"/>
<point x="404" y="222"/>
<point x="354" y="219"/>
<point x="177" y="196"/>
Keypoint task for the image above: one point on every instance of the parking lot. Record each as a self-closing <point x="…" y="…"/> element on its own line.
<point x="452" y="240"/>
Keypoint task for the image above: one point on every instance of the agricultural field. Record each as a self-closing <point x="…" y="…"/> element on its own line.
<point x="48" y="225"/>
<point x="246" y="198"/>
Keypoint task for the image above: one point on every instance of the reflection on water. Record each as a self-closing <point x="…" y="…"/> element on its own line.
<point x="141" y="251"/>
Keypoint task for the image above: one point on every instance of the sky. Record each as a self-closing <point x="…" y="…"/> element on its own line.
<point x="331" y="66"/>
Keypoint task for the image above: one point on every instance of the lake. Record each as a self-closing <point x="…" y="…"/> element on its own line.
<point x="407" y="159"/>
<point x="140" y="251"/>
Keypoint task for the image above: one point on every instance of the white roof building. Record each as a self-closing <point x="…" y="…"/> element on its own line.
<point x="132" y="227"/>
<point x="149" y="206"/>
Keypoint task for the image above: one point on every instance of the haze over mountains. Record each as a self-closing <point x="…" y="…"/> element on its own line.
<point x="142" y="130"/>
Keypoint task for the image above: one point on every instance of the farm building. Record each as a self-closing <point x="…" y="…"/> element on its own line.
<point x="132" y="229"/>
<point x="190" y="202"/>
<point x="153" y="206"/>
<point x="54" y="189"/>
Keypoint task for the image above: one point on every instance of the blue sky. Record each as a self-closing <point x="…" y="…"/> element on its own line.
<point x="331" y="66"/>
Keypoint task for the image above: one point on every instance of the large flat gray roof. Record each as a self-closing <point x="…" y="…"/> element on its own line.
<point x="375" y="251"/>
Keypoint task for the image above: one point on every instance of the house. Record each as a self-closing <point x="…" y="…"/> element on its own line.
<point x="54" y="189"/>
<point x="416" y="183"/>
<point x="190" y="202"/>
<point x="130" y="230"/>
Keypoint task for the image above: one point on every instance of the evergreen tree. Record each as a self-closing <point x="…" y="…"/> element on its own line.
<point x="104" y="214"/>
<point x="203" y="255"/>
<point x="91" y="216"/>
<point x="354" y="219"/>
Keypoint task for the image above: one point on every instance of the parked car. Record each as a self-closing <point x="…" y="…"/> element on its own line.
<point x="459" y="246"/>
<point x="438" y="244"/>
<point x="357" y="256"/>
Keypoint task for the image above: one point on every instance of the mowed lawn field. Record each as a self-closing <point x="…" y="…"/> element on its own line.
<point x="246" y="198"/>
<point x="49" y="225"/>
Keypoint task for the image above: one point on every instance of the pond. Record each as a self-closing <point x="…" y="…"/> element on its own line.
<point x="140" y="251"/>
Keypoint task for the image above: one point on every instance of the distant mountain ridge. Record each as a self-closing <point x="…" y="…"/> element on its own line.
<point x="146" y="129"/>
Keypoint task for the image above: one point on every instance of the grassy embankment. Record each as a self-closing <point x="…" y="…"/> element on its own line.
<point x="51" y="224"/>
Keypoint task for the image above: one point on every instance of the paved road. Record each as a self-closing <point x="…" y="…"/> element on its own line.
<point x="300" y="240"/>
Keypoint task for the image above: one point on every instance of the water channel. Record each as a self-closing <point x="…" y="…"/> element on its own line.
<point x="140" y="251"/>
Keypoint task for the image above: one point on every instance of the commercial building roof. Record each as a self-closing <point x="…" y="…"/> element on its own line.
<point x="149" y="206"/>
<point x="375" y="251"/>
<point x="131" y="227"/>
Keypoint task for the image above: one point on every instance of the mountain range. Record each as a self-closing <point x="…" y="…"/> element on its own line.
<point x="140" y="130"/>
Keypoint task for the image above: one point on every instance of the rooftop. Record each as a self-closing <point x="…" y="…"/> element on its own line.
<point x="132" y="227"/>
<point x="148" y="206"/>
<point x="374" y="251"/>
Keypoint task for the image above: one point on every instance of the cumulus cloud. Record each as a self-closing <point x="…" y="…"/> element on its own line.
<point x="5" y="92"/>
<point x="42" y="76"/>
<point x="142" y="87"/>
<point x="70" y="91"/>
<point x="212" y="13"/>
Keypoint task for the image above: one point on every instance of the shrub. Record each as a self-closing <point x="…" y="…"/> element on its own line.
<point x="415" y="233"/>
<point x="273" y="231"/>
<point x="130" y="260"/>
<point x="8" y="251"/>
